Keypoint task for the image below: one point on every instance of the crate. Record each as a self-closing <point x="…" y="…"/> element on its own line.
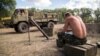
<point x="80" y="50"/>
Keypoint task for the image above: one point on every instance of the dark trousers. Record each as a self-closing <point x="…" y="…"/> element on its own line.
<point x="71" y="39"/>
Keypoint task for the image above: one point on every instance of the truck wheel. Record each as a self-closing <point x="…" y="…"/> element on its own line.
<point x="15" y="28"/>
<point x="22" y="27"/>
<point x="50" y="24"/>
<point x="41" y="27"/>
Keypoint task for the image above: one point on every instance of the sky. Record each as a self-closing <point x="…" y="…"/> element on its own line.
<point x="52" y="4"/>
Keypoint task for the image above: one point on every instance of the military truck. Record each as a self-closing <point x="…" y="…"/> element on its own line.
<point x="20" y="19"/>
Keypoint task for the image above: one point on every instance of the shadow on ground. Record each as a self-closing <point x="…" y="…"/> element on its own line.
<point x="8" y="33"/>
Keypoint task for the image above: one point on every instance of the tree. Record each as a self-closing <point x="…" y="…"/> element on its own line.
<point x="70" y="10"/>
<point x="86" y="14"/>
<point x="76" y="11"/>
<point x="97" y="14"/>
<point x="47" y="10"/>
<point x="32" y="9"/>
<point x="7" y="7"/>
<point x="61" y="12"/>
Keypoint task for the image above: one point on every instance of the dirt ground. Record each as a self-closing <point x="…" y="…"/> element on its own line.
<point x="17" y="44"/>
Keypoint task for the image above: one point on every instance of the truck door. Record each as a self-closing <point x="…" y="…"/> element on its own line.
<point x="23" y="15"/>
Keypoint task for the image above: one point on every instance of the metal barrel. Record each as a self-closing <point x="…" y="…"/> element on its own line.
<point x="48" y="31"/>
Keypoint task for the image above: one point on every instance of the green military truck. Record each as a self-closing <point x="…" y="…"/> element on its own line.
<point x="20" y="19"/>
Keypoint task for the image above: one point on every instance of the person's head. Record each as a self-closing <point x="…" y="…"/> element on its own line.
<point x="67" y="14"/>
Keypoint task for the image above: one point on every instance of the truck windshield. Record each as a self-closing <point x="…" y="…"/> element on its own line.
<point x="16" y="11"/>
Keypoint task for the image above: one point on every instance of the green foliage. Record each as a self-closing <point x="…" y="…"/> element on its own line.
<point x="76" y="11"/>
<point x="86" y="14"/>
<point x="32" y="9"/>
<point x="97" y="14"/>
<point x="47" y="10"/>
<point x="60" y="12"/>
<point x="7" y="7"/>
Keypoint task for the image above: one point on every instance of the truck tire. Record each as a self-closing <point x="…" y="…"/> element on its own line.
<point x="50" y="25"/>
<point x="15" y="28"/>
<point x="22" y="27"/>
<point x="43" y="25"/>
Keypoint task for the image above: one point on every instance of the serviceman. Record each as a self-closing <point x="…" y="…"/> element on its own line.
<point x="74" y="31"/>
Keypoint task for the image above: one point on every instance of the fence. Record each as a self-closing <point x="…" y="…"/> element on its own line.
<point x="93" y="28"/>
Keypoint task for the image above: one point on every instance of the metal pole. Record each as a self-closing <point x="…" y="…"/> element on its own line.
<point x="29" y="33"/>
<point x="29" y="40"/>
<point x="33" y="22"/>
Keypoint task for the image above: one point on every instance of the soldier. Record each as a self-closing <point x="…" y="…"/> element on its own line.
<point x="74" y="31"/>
